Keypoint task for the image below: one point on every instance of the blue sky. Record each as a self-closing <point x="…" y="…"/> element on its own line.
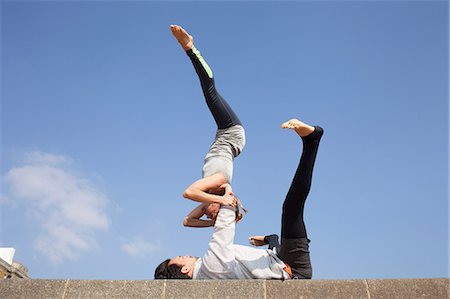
<point x="103" y="125"/>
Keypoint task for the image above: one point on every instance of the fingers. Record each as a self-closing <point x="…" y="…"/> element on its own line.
<point x="233" y="201"/>
<point x="227" y="188"/>
<point x="229" y="200"/>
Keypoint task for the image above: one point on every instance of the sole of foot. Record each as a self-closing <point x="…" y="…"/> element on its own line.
<point x="299" y="127"/>
<point x="184" y="39"/>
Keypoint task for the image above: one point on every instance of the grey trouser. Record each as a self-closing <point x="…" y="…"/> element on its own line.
<point x="295" y="252"/>
<point x="227" y="145"/>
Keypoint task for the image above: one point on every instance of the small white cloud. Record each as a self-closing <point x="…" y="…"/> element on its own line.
<point x="140" y="248"/>
<point x="5" y="201"/>
<point x="61" y="242"/>
<point x="37" y="157"/>
<point x="68" y="207"/>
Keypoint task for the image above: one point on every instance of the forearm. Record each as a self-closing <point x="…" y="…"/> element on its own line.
<point x="200" y="190"/>
<point x="202" y="196"/>
<point x="220" y="249"/>
<point x="193" y="222"/>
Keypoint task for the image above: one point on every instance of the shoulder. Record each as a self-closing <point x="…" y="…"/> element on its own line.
<point x="216" y="181"/>
<point x="219" y="177"/>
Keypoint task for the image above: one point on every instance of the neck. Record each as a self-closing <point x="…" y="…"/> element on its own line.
<point x="191" y="272"/>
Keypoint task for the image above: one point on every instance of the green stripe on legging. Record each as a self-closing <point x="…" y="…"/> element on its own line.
<point x="203" y="62"/>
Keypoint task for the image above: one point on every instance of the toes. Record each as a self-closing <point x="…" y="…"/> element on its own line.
<point x="288" y="124"/>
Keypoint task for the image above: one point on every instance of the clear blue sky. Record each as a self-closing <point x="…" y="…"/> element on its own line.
<point x="104" y="125"/>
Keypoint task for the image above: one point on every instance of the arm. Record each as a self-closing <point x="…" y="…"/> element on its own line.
<point x="271" y="240"/>
<point x="203" y="189"/>
<point x="220" y="255"/>
<point x="193" y="218"/>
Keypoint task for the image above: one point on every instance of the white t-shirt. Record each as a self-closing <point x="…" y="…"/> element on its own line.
<point x="225" y="260"/>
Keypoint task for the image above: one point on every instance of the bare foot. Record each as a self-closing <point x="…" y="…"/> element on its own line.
<point x="301" y="128"/>
<point x="186" y="41"/>
<point x="257" y="240"/>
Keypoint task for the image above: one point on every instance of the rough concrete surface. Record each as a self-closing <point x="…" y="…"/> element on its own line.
<point x="214" y="289"/>
<point x="409" y="288"/>
<point x="347" y="289"/>
<point x="113" y="289"/>
<point x="255" y="289"/>
<point x="31" y="288"/>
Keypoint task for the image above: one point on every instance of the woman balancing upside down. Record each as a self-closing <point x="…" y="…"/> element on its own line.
<point x="228" y="144"/>
<point x="224" y="259"/>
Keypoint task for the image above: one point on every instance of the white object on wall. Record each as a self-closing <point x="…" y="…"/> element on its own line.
<point x="7" y="254"/>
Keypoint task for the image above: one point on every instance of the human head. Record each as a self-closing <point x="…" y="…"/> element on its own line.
<point x="180" y="267"/>
<point x="211" y="210"/>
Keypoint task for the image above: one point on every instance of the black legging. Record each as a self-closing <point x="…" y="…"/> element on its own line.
<point x="221" y="111"/>
<point x="292" y="224"/>
<point x="294" y="249"/>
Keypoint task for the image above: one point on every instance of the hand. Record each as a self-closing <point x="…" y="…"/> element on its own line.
<point x="227" y="188"/>
<point x="228" y="199"/>
<point x="257" y="240"/>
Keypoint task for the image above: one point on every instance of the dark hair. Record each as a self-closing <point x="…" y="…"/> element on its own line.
<point x="166" y="271"/>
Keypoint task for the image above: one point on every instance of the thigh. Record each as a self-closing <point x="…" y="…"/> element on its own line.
<point x="227" y="145"/>
<point x="292" y="222"/>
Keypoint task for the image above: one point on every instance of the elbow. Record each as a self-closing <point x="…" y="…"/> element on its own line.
<point x="186" y="222"/>
<point x="188" y="193"/>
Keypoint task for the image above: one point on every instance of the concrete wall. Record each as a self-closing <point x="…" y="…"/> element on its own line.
<point x="370" y="289"/>
<point x="14" y="269"/>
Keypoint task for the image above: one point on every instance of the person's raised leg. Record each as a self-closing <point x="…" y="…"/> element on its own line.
<point x="294" y="240"/>
<point x="224" y="116"/>
<point x="292" y="218"/>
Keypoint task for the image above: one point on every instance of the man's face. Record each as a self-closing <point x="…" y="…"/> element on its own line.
<point x="212" y="210"/>
<point x="182" y="260"/>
